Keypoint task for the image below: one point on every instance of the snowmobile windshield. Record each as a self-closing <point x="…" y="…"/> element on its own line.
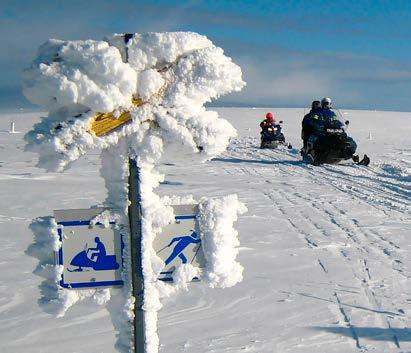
<point x="335" y="124"/>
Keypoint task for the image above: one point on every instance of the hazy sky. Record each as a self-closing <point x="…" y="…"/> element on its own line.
<point x="291" y="52"/>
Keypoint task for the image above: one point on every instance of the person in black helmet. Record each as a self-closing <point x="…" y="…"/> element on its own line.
<point x="310" y="121"/>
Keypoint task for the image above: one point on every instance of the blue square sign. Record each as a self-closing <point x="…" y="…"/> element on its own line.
<point x="91" y="255"/>
<point x="179" y="242"/>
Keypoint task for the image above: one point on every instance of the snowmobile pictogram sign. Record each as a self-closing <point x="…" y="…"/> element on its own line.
<point x="91" y="256"/>
<point x="179" y="242"/>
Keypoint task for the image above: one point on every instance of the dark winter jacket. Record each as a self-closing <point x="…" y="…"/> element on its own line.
<point x="316" y="121"/>
<point x="311" y="123"/>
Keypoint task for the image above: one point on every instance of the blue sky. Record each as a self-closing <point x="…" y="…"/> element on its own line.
<point x="291" y="52"/>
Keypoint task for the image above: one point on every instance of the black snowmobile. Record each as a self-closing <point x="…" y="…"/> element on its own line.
<point x="272" y="137"/>
<point x="331" y="146"/>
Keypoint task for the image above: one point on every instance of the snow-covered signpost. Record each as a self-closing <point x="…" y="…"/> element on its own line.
<point x="140" y="98"/>
<point x="137" y="278"/>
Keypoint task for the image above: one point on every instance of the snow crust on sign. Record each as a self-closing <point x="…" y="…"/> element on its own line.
<point x="220" y="241"/>
<point x="216" y="217"/>
<point x="174" y="75"/>
<point x="89" y="73"/>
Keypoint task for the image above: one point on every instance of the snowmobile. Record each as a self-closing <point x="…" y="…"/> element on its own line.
<point x="272" y="137"/>
<point x="91" y="258"/>
<point x="331" y="146"/>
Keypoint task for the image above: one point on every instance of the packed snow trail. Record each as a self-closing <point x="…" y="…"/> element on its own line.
<point x="326" y="268"/>
<point x="350" y="224"/>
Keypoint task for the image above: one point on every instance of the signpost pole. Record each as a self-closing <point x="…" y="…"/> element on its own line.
<point x="134" y="213"/>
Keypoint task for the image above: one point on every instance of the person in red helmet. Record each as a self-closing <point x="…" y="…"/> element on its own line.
<point x="271" y="132"/>
<point x="268" y="122"/>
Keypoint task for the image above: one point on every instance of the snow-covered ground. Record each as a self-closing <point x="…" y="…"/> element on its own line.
<point x="325" y="251"/>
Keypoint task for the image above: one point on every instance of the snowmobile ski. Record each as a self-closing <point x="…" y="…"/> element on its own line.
<point x="364" y="161"/>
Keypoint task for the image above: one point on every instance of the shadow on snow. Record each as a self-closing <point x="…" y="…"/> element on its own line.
<point x="259" y="161"/>
<point x="373" y="333"/>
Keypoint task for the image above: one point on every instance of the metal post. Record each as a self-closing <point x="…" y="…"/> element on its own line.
<point x="134" y="213"/>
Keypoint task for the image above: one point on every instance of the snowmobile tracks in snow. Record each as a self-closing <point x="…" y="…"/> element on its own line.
<point x="345" y="215"/>
<point x="378" y="187"/>
<point x="327" y="220"/>
<point x="354" y="247"/>
<point x="358" y="235"/>
<point x="370" y="186"/>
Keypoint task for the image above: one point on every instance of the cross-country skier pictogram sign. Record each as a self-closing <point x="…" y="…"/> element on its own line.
<point x="179" y="242"/>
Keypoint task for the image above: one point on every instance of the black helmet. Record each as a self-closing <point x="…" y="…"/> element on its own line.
<point x="315" y="105"/>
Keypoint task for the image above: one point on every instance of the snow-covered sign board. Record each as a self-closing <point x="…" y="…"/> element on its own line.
<point x="91" y="255"/>
<point x="179" y="242"/>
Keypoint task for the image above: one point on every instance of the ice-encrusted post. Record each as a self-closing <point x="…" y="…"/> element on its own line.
<point x="134" y="214"/>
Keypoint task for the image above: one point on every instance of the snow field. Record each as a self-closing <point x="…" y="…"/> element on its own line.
<point x="324" y="249"/>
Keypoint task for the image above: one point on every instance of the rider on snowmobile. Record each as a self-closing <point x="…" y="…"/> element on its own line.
<point x="328" y="115"/>
<point x="268" y="122"/>
<point x="325" y="140"/>
<point x="271" y="132"/>
<point x="320" y="117"/>
<point x="309" y="121"/>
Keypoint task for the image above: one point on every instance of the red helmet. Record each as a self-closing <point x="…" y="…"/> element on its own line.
<point x="269" y="116"/>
